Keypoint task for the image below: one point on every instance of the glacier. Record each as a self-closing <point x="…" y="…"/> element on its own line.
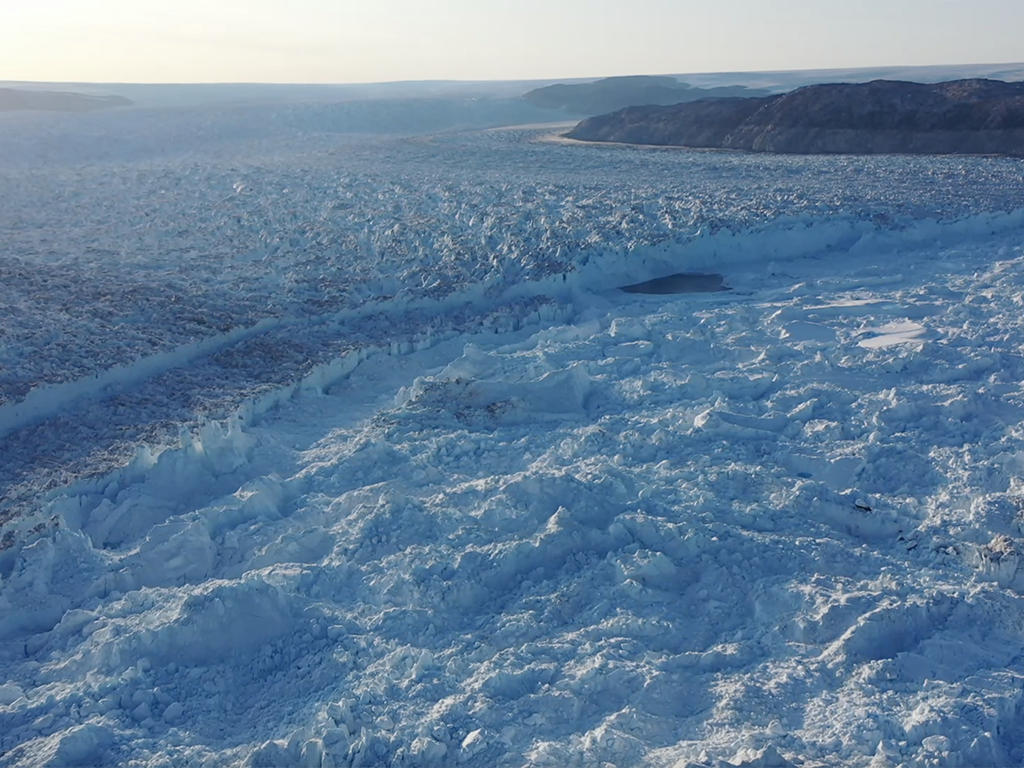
<point x="328" y="438"/>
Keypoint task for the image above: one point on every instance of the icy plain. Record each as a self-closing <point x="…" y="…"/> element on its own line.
<point x="330" y="441"/>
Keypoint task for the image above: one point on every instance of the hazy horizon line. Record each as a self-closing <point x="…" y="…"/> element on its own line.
<point x="443" y="81"/>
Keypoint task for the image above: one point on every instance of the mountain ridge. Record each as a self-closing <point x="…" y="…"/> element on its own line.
<point x="14" y="99"/>
<point x="613" y="93"/>
<point x="974" y="116"/>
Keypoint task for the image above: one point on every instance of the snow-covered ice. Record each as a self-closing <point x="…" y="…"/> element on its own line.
<point x="335" y="449"/>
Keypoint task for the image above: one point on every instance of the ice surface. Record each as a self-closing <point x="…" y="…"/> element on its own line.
<point x="166" y="265"/>
<point x="894" y="333"/>
<point x="324" y="449"/>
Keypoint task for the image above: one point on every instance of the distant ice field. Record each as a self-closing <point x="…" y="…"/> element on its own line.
<point x="134" y="233"/>
<point x="242" y="240"/>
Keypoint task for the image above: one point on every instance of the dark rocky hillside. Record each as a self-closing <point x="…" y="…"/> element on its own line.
<point x="614" y="93"/>
<point x="957" y="117"/>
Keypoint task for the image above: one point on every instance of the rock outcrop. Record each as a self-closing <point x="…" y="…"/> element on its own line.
<point x="880" y="117"/>
<point x="614" y="93"/>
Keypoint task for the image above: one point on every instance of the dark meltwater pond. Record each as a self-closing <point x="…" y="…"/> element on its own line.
<point x="682" y="282"/>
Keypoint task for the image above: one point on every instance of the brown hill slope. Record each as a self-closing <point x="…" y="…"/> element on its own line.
<point x="961" y="116"/>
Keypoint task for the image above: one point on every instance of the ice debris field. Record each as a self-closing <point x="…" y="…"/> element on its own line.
<point x="332" y="441"/>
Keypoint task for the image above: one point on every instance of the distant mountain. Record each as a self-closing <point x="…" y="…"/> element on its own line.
<point x="614" y="93"/>
<point x="962" y="116"/>
<point x="785" y="81"/>
<point x="12" y="99"/>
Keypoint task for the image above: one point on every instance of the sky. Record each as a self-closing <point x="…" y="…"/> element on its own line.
<point x="345" y="41"/>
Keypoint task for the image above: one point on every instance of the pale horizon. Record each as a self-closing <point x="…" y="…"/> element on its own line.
<point x="311" y="42"/>
<point x="599" y="76"/>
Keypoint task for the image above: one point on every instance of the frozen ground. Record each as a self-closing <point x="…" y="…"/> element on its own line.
<point x="422" y="488"/>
